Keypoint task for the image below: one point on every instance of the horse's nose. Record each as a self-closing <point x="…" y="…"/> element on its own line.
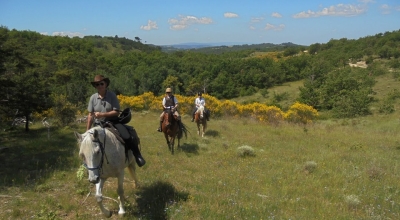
<point x="94" y="180"/>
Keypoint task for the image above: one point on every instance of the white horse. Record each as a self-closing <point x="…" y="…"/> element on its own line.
<point x="201" y="121"/>
<point x="104" y="156"/>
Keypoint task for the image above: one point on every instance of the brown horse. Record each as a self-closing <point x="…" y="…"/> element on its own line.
<point x="172" y="129"/>
<point x="200" y="119"/>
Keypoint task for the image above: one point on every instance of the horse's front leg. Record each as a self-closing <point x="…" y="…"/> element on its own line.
<point x="172" y="143"/>
<point x="99" y="198"/>
<point x="166" y="138"/>
<point x="120" y="192"/>
<point x="198" y="129"/>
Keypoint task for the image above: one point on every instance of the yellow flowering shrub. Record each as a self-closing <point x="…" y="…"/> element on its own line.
<point x="229" y="108"/>
<point x="149" y="100"/>
<point x="298" y="113"/>
<point x="301" y="113"/>
<point x="46" y="113"/>
<point x="213" y="105"/>
<point x="136" y="103"/>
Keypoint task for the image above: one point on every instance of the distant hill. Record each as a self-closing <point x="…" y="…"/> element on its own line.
<point x="217" y="48"/>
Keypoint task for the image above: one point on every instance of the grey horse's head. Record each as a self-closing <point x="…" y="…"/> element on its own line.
<point x="91" y="151"/>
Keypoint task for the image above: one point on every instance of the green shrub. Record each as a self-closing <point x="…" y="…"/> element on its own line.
<point x="310" y="166"/>
<point x="245" y="151"/>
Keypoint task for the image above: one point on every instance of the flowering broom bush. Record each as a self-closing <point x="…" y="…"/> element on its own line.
<point x="297" y="113"/>
<point x="301" y="113"/>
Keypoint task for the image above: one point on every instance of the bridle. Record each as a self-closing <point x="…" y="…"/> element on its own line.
<point x="103" y="154"/>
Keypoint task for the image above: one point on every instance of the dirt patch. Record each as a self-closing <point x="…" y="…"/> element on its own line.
<point x="360" y="64"/>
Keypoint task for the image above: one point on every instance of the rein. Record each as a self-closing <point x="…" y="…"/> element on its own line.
<point x="103" y="153"/>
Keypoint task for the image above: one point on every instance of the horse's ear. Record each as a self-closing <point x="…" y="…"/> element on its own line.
<point x="78" y="136"/>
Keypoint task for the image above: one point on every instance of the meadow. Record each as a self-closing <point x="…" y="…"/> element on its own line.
<point x="242" y="169"/>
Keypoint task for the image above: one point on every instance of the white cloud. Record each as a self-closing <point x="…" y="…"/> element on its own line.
<point x="385" y="6"/>
<point x="367" y="1"/>
<point x="150" y="26"/>
<point x="387" y="9"/>
<point x="230" y="15"/>
<point x="252" y="27"/>
<point x="67" y="33"/>
<point x="184" y="22"/>
<point x="272" y="27"/>
<point x="337" y="10"/>
<point x="256" y="20"/>
<point x="276" y="15"/>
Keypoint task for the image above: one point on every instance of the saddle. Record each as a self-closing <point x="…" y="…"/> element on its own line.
<point x="125" y="134"/>
<point x="122" y="132"/>
<point x="110" y="127"/>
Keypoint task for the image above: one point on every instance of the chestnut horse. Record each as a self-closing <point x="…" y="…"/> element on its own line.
<point x="200" y="119"/>
<point x="172" y="129"/>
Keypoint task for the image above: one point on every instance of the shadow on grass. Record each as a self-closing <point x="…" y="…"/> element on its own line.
<point x="190" y="148"/>
<point x="28" y="157"/>
<point x="212" y="133"/>
<point x="155" y="200"/>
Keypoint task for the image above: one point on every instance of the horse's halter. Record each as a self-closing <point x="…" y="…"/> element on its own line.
<point x="103" y="154"/>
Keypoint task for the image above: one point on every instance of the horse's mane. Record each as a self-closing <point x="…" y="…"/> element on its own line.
<point x="101" y="132"/>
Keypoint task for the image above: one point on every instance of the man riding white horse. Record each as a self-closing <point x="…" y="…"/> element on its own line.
<point x="104" y="108"/>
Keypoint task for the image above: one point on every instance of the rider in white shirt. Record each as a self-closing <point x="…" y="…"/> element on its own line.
<point x="200" y="101"/>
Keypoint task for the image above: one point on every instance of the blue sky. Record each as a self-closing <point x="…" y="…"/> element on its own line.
<point x="166" y="22"/>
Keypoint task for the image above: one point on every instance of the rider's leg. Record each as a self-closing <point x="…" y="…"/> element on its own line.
<point x="134" y="146"/>
<point x="131" y="142"/>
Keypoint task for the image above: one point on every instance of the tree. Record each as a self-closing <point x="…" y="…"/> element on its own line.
<point x="172" y="82"/>
<point x="26" y="89"/>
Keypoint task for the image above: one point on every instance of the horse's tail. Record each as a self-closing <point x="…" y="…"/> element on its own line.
<point x="182" y="130"/>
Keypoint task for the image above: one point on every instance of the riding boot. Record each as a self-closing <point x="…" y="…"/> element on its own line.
<point x="159" y="128"/>
<point x="134" y="147"/>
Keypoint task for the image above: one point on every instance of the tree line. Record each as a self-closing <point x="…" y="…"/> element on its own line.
<point x="38" y="72"/>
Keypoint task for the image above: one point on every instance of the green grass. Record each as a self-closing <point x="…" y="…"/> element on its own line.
<point x="242" y="169"/>
<point x="283" y="96"/>
<point x="334" y="169"/>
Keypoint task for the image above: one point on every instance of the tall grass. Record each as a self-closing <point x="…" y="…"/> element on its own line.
<point x="333" y="169"/>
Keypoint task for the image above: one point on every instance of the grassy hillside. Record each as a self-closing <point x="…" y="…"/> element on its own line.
<point x="286" y="94"/>
<point x="333" y="169"/>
